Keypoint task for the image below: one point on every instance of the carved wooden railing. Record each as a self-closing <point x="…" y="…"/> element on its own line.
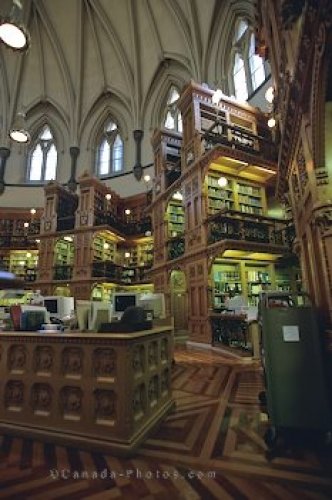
<point x="175" y="247"/>
<point x="62" y="272"/>
<point x="131" y="228"/>
<point x="120" y="274"/>
<point x="223" y="133"/>
<point x="234" y="225"/>
<point x="65" y="223"/>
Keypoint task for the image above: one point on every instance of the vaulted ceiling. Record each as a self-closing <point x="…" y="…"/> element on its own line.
<point x="89" y="56"/>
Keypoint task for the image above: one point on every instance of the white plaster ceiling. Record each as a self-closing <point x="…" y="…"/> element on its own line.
<point x="88" y="57"/>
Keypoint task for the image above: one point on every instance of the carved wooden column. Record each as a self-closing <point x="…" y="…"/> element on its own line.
<point x="189" y="104"/>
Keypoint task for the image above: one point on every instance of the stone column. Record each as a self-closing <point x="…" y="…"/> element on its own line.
<point x="4" y="154"/>
<point x="74" y="152"/>
<point x="138" y="170"/>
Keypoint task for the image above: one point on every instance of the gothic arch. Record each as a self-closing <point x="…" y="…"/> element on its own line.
<point x="169" y="73"/>
<point x="105" y="106"/>
<point x="41" y="113"/>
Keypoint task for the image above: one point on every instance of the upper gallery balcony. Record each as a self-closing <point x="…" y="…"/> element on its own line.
<point x="236" y="229"/>
<point x="225" y="129"/>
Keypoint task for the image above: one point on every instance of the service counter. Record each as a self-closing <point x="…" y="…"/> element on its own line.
<point x="236" y="331"/>
<point x="98" y="391"/>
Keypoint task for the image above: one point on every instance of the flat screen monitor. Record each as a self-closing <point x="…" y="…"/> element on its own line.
<point x="123" y="300"/>
<point x="58" y="306"/>
<point x="153" y="302"/>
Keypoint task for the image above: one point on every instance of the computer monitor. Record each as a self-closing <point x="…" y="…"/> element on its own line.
<point x="82" y="314"/>
<point x="100" y="312"/>
<point x="31" y="317"/>
<point x="58" y="306"/>
<point x="122" y="300"/>
<point x="154" y="302"/>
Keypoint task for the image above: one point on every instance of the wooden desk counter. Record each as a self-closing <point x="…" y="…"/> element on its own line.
<point x="104" y="391"/>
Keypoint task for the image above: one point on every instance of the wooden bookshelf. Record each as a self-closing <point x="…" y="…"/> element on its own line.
<point x="104" y="247"/>
<point x="226" y="282"/>
<point x="64" y="253"/>
<point x="219" y="198"/>
<point x="23" y="263"/>
<point x="258" y="278"/>
<point x="251" y="199"/>
<point x="175" y="217"/>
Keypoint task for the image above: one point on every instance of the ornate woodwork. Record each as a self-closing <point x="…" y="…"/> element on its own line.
<point x="305" y="133"/>
<point x="117" y="382"/>
<point x="210" y="133"/>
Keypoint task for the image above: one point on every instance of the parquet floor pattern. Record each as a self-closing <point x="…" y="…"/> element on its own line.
<point x="210" y="447"/>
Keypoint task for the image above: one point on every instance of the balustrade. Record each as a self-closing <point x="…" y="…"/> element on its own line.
<point x="175" y="247"/>
<point x="234" y="225"/>
<point x="230" y="135"/>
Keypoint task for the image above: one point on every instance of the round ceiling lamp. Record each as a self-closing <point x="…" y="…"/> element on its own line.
<point x="18" y="132"/>
<point x="12" y="31"/>
<point x="222" y="181"/>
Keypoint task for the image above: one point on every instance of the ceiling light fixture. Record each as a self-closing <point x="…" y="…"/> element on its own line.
<point x="222" y="181"/>
<point x="12" y="31"/>
<point x="271" y="122"/>
<point x="177" y="196"/>
<point x="269" y="95"/>
<point x="18" y="132"/>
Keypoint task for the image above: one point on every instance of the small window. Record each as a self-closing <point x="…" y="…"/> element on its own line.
<point x="247" y="71"/>
<point x="43" y="157"/>
<point x="240" y="80"/>
<point x="173" y="118"/>
<point x="256" y="65"/>
<point x="241" y="29"/>
<point x="110" y="151"/>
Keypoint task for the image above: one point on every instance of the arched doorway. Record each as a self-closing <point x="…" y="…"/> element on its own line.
<point x="179" y="300"/>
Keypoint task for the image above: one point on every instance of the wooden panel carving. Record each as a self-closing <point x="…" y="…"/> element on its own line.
<point x="104" y="363"/>
<point x="43" y="360"/>
<point x="104" y="406"/>
<point x="302" y="168"/>
<point x="72" y="361"/>
<point x="139" y="401"/>
<point x="14" y="395"/>
<point x="153" y="391"/>
<point x="41" y="399"/>
<point x="164" y="350"/>
<point x="71" y="402"/>
<point x="17" y="359"/>
<point x="152" y="354"/>
<point x="138" y="360"/>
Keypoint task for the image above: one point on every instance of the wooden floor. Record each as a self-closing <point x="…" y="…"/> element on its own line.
<point x="210" y="447"/>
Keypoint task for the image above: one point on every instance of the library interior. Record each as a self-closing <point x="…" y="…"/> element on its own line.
<point x="166" y="249"/>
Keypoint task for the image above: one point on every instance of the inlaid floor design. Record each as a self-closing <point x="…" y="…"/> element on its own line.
<point x="210" y="447"/>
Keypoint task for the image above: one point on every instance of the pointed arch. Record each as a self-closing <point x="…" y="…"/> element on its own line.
<point x="170" y="73"/>
<point x="109" y="149"/>
<point x="109" y="103"/>
<point x="42" y="157"/>
<point x="41" y="112"/>
<point x="172" y="118"/>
